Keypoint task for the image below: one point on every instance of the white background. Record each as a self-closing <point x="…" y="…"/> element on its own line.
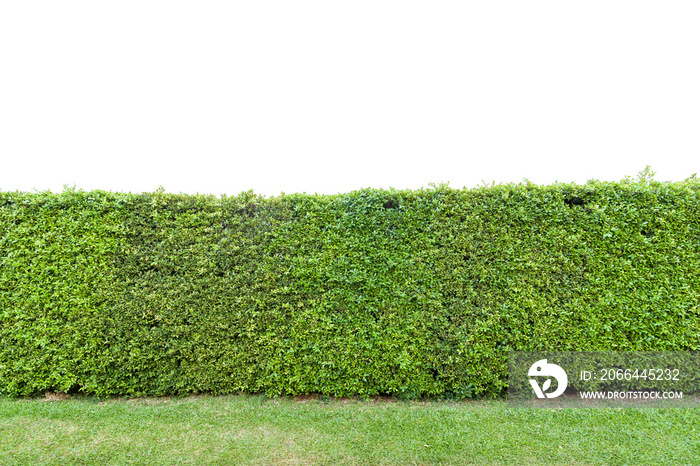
<point x="332" y="96"/>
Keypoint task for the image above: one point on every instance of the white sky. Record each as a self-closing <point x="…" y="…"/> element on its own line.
<point x="329" y="96"/>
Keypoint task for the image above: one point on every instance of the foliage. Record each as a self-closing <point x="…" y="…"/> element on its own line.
<point x="404" y="292"/>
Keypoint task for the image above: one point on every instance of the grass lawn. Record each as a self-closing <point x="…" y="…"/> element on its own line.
<point x="240" y="430"/>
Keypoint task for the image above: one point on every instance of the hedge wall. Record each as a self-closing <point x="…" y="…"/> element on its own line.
<point x="408" y="293"/>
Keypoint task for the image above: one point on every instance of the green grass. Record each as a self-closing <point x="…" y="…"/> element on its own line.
<point x="240" y="430"/>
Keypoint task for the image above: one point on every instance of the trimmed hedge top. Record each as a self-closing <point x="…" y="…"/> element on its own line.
<point x="408" y="293"/>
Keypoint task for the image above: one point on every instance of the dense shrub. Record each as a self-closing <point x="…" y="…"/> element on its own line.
<point x="410" y="293"/>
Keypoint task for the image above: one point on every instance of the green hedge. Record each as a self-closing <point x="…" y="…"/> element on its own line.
<point x="408" y="293"/>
